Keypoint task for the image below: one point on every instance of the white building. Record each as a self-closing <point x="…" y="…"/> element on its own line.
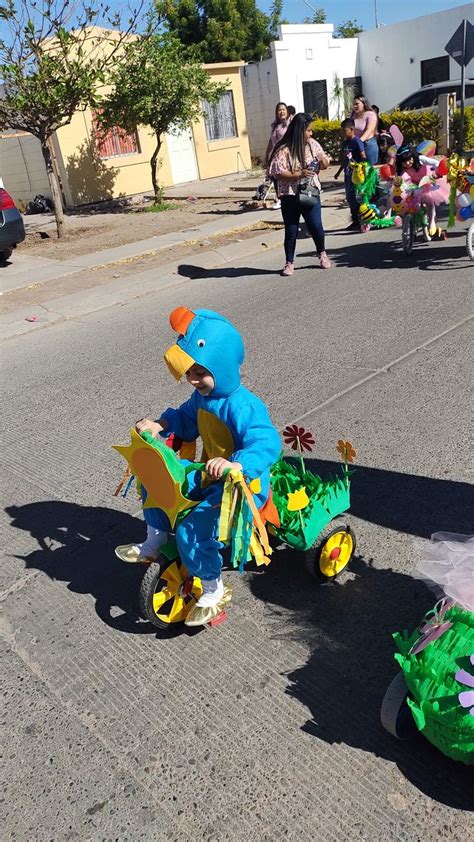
<point x="300" y="72"/>
<point x="387" y="64"/>
<point x="396" y="60"/>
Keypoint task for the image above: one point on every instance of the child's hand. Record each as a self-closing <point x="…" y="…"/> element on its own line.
<point x="145" y="425"/>
<point x="216" y="467"/>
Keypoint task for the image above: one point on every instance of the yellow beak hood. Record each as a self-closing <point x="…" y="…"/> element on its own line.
<point x="178" y="361"/>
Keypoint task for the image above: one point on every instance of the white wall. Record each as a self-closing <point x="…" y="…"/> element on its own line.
<point x="22" y="167"/>
<point x="304" y="53"/>
<point x="307" y="53"/>
<point x="390" y="56"/>
<point x="261" y="94"/>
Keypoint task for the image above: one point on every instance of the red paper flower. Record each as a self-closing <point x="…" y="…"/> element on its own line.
<point x="298" y="436"/>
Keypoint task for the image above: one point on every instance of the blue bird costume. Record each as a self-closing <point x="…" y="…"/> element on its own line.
<point x="232" y="422"/>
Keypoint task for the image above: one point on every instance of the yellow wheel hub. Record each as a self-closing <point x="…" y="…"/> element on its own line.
<point x="173" y="601"/>
<point x="336" y="553"/>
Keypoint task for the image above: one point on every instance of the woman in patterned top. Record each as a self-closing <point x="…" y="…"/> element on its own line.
<point x="296" y="160"/>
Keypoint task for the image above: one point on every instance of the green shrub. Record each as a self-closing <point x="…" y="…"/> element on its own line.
<point x="328" y="134"/>
<point x="468" y="127"/>
<point x="415" y="126"/>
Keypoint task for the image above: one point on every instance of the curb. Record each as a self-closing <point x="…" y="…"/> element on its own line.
<point x="122" y="291"/>
<point x="119" y="292"/>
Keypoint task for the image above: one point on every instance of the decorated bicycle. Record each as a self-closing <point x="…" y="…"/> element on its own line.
<point x="461" y="198"/>
<point x="434" y="691"/>
<point x="304" y="512"/>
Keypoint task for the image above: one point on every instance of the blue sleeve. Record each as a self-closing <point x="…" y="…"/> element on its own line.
<point x="183" y="420"/>
<point x="260" y="444"/>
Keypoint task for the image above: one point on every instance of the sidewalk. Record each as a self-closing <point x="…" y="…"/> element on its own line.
<point x="63" y="303"/>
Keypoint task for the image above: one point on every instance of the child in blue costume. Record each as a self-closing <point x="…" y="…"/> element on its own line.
<point x="236" y="432"/>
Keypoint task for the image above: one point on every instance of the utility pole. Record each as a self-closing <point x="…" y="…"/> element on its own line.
<point x="376" y="15"/>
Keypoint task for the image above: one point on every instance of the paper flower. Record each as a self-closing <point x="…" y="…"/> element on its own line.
<point x="298" y="437"/>
<point x="297" y="500"/>
<point x="433" y="625"/>
<point x="347" y="451"/>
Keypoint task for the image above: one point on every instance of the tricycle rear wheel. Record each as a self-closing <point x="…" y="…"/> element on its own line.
<point x="332" y="552"/>
<point x="167" y="593"/>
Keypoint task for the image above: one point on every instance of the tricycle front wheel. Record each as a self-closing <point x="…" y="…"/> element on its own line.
<point x="332" y="552"/>
<point x="167" y="592"/>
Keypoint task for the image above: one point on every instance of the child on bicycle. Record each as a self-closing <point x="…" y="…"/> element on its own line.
<point x="236" y="432"/>
<point x="352" y="149"/>
<point x="412" y="167"/>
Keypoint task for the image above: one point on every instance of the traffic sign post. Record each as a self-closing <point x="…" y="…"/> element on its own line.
<point x="461" y="48"/>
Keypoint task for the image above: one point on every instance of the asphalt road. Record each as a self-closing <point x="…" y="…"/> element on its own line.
<point x="267" y="727"/>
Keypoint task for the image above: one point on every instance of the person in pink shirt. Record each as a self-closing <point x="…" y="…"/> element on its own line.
<point x="278" y="129"/>
<point x="365" y="124"/>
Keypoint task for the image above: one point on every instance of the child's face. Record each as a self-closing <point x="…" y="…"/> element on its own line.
<point x="200" y="379"/>
<point x="348" y="132"/>
<point x="407" y="163"/>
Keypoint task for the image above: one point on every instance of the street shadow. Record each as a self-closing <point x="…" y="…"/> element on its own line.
<point x="409" y="503"/>
<point x="187" y="270"/>
<point x="347" y="625"/>
<point x="76" y="546"/>
<point x="383" y="254"/>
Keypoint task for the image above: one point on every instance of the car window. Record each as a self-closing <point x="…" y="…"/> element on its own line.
<point x="422" y="99"/>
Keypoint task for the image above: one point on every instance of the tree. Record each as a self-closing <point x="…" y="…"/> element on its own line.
<point x="161" y="85"/>
<point x="49" y="72"/>
<point x="349" y="29"/>
<point x="221" y="30"/>
<point x="319" y="16"/>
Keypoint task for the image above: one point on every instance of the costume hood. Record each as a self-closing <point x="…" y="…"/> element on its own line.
<point x="210" y="340"/>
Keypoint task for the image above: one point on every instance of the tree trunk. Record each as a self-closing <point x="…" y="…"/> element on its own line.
<point x="154" y="162"/>
<point x="55" y="188"/>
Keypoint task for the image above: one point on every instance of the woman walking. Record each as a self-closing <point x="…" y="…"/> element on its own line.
<point x="278" y="128"/>
<point x="295" y="162"/>
<point x="365" y="120"/>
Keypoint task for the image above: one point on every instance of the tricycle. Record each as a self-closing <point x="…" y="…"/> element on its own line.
<point x="304" y="513"/>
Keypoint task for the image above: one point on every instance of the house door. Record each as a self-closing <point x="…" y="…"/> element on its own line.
<point x="315" y="98"/>
<point x="182" y="157"/>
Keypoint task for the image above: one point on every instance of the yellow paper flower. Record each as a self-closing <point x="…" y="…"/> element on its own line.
<point x="297" y="500"/>
<point x="347" y="451"/>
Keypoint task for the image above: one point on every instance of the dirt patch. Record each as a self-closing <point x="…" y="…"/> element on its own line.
<point x="89" y="232"/>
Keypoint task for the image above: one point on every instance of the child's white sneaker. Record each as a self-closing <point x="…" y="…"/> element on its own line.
<point x="212" y="593"/>
<point x="210" y="604"/>
<point x="143" y="553"/>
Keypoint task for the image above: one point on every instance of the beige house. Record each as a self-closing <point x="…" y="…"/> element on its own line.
<point x="94" y="169"/>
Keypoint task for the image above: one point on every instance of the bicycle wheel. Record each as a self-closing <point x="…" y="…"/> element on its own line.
<point x="470" y="241"/>
<point x="408" y="233"/>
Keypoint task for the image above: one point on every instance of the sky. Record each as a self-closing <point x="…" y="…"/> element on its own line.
<point x="339" y="11"/>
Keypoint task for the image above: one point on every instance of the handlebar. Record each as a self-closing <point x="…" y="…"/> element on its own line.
<point x="201" y="466"/>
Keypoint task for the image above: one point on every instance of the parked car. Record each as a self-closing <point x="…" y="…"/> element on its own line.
<point x="12" y="229"/>
<point x="427" y="96"/>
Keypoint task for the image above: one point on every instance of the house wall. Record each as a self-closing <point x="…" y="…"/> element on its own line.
<point x="92" y="178"/>
<point x="221" y="157"/>
<point x="304" y="53"/>
<point x="260" y="88"/>
<point x="22" y="167"/>
<point x="390" y="56"/>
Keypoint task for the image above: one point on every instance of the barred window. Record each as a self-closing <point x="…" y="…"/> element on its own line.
<point x="115" y="142"/>
<point x="219" y="117"/>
